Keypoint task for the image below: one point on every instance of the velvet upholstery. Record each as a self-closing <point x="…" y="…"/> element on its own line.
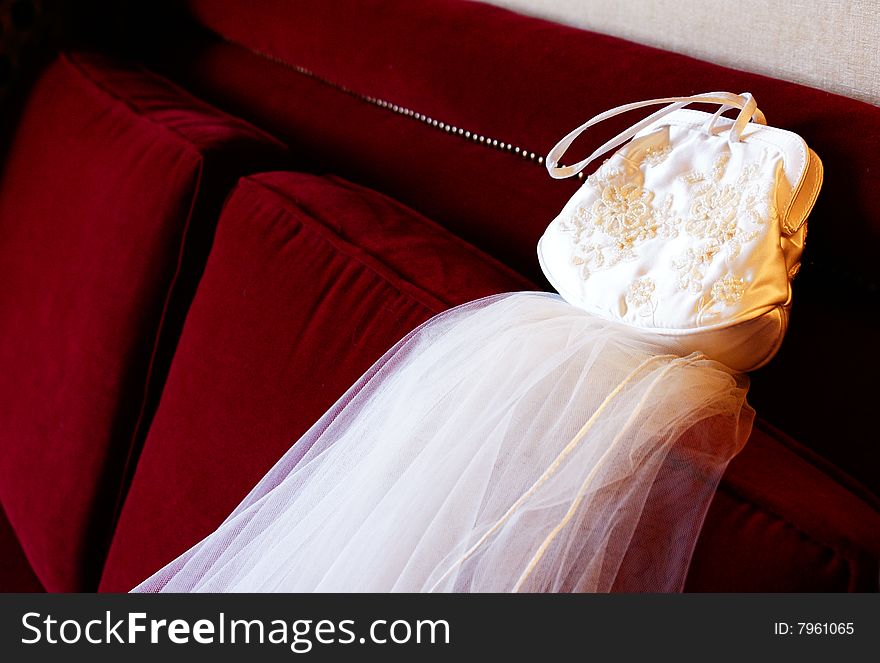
<point x="784" y="520"/>
<point x="525" y="81"/>
<point x="16" y="574"/>
<point x="312" y="278"/>
<point x="309" y="282"/>
<point x="114" y="177"/>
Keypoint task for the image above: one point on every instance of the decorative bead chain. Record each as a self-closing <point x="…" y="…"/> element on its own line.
<point x="845" y="275"/>
<point x="472" y="136"/>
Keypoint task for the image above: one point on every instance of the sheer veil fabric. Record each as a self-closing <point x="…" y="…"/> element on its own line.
<point x="515" y="443"/>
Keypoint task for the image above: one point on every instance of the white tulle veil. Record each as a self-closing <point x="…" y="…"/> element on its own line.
<point x="514" y="443"/>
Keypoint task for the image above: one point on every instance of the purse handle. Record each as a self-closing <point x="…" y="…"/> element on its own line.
<point x="727" y="100"/>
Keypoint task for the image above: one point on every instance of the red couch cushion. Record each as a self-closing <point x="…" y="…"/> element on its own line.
<point x="527" y="82"/>
<point x="309" y="281"/>
<point x="111" y="169"/>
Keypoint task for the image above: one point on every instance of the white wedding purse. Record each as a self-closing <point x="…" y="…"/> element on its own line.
<point x="692" y="230"/>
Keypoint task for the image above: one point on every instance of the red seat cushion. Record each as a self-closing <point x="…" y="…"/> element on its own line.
<point x="309" y="281"/>
<point x="111" y="169"/>
<point x="385" y="87"/>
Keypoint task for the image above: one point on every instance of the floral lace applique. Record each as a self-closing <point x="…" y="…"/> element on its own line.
<point x="726" y="292"/>
<point x="640" y="295"/>
<point x="720" y="219"/>
<point x="717" y="208"/>
<point x="691" y="267"/>
<point x="654" y="156"/>
<point x="666" y="219"/>
<point x="623" y="212"/>
<point x="716" y="216"/>
<point x="641" y="291"/>
<point x="606" y="231"/>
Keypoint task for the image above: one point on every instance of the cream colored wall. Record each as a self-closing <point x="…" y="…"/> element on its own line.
<point x="831" y="45"/>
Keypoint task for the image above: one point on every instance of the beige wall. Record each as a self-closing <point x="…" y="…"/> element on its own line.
<point x="832" y="45"/>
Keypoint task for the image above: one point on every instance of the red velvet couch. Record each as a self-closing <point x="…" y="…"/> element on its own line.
<point x="199" y="253"/>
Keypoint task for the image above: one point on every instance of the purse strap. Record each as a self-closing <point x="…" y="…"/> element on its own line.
<point x="727" y="100"/>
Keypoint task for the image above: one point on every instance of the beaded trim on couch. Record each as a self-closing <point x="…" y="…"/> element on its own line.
<point x="446" y="127"/>
<point x="807" y="265"/>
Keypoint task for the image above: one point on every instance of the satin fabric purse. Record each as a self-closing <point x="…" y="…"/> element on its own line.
<point x="692" y="230"/>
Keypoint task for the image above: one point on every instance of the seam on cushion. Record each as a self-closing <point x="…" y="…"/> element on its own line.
<point x="188" y="145"/>
<point x="198" y="104"/>
<point x="133" y="453"/>
<point x="333" y="181"/>
<point x="344" y="247"/>
<point x="743" y="499"/>
<point x="822" y="465"/>
<point x="467" y="246"/>
<point x="851" y="561"/>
